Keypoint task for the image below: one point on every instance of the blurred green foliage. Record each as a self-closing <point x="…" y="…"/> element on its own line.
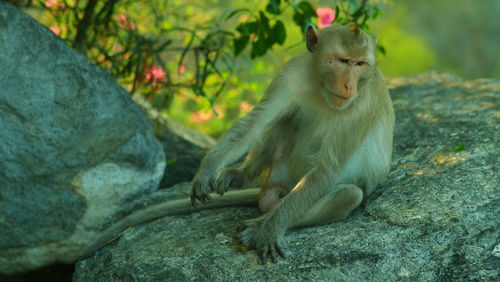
<point x="206" y="63"/>
<point x="408" y="53"/>
<point x="182" y="55"/>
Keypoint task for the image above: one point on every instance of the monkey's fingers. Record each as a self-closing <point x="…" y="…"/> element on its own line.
<point x="195" y="193"/>
<point x="274" y="255"/>
<point x="202" y="198"/>
<point x="276" y="252"/>
<point x="193" y="201"/>
<point x="263" y="254"/>
<point x="199" y="197"/>
<point x="280" y="250"/>
<point x="212" y="185"/>
<point x="206" y="198"/>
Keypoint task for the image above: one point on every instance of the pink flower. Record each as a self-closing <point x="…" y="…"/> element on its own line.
<point x="50" y="3"/>
<point x="123" y="22"/>
<point x="325" y="17"/>
<point x="181" y="69"/>
<point x="200" y="116"/>
<point x="245" y="106"/>
<point x="156" y="75"/>
<point x="55" y="30"/>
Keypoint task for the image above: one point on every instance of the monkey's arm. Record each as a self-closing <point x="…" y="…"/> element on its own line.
<point x="237" y="198"/>
<point x="241" y="137"/>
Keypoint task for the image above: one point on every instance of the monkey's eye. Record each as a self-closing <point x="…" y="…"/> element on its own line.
<point x="360" y="63"/>
<point x="343" y="61"/>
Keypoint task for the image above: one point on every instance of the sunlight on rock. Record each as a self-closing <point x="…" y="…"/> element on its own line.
<point x="486" y="105"/>
<point x="449" y="159"/>
<point x="409" y="165"/>
<point x="410" y="214"/>
<point x="414" y="170"/>
<point x="427" y="117"/>
<point x="422" y="171"/>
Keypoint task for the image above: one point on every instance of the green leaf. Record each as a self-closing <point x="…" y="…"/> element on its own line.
<point x="279" y="32"/>
<point x="264" y="21"/>
<point x="307" y="10"/>
<point x="376" y="12"/>
<point x="381" y="49"/>
<point x="274" y="7"/>
<point x="299" y="20"/>
<point x="234" y="12"/>
<point x="458" y="147"/>
<point x="247" y="28"/>
<point x="171" y="162"/>
<point x="239" y="44"/>
<point x="259" y="48"/>
<point x="163" y="45"/>
<point x="337" y="13"/>
<point x="358" y="12"/>
<point x="353" y="5"/>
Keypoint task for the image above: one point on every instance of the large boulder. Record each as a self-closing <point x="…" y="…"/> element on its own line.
<point x="184" y="147"/>
<point x="434" y="219"/>
<point x="75" y="151"/>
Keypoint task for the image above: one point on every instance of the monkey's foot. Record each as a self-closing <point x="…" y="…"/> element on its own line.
<point x="266" y="244"/>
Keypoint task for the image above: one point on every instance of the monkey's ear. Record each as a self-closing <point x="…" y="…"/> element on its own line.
<point x="375" y="40"/>
<point x="311" y="38"/>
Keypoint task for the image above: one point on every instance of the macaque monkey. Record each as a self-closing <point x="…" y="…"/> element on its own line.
<point x="322" y="134"/>
<point x="319" y="141"/>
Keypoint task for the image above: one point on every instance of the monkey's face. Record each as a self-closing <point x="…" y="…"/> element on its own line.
<point x="344" y="58"/>
<point x="341" y="76"/>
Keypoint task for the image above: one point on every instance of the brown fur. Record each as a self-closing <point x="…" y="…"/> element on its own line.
<point x="322" y="133"/>
<point x="324" y="129"/>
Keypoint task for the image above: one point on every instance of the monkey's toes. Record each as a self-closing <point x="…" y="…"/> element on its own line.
<point x="271" y="251"/>
<point x="247" y="236"/>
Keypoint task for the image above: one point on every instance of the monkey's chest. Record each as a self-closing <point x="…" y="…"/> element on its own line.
<point x="303" y="156"/>
<point x="317" y="141"/>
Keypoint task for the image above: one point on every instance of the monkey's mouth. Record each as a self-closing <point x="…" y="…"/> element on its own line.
<point x="343" y="99"/>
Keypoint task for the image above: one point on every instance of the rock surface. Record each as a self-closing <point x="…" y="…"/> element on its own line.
<point x="74" y="148"/>
<point x="434" y="219"/>
<point x="184" y="147"/>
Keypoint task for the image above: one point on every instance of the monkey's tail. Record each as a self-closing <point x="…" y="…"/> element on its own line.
<point x="236" y="198"/>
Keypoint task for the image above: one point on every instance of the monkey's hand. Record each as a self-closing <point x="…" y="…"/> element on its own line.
<point x="266" y="241"/>
<point x="203" y="183"/>
<point x="230" y="178"/>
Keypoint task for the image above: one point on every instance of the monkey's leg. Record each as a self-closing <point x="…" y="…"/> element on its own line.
<point x="256" y="162"/>
<point x="276" y="185"/>
<point x="334" y="206"/>
<point x="265" y="233"/>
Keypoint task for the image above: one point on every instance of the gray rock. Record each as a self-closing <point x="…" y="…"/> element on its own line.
<point x="74" y="149"/>
<point x="434" y="219"/>
<point x="184" y="147"/>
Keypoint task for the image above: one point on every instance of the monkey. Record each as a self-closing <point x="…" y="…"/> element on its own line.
<point x="323" y="133"/>
<point x="271" y="192"/>
<point x="319" y="142"/>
